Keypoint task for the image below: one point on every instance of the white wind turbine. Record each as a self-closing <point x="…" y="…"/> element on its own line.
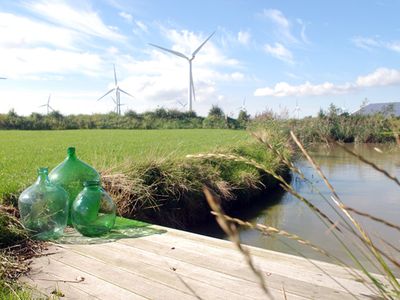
<point x="243" y="106"/>
<point x="297" y="110"/>
<point x="48" y="107"/>
<point x="118" y="90"/>
<point x="191" y="92"/>
<point x="183" y="105"/>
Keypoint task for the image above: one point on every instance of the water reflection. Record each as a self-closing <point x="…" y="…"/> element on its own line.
<point x="358" y="185"/>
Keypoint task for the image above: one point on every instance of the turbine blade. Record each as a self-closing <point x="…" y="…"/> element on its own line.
<point x="51" y="108"/>
<point x="198" y="49"/>
<point x="42" y="105"/>
<point x="171" y="51"/>
<point x="48" y="99"/>
<point x="125" y="92"/>
<point x="106" y="94"/>
<point x="115" y="76"/>
<point x="3" y="78"/>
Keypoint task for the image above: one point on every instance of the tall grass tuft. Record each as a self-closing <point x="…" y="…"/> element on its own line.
<point x="344" y="227"/>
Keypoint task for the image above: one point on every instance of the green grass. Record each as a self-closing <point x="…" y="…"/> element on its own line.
<point x="22" y="152"/>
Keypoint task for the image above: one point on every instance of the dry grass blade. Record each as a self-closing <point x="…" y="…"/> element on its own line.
<point x="397" y="227"/>
<point x="371" y="164"/>
<point x="231" y="231"/>
<point x="365" y="237"/>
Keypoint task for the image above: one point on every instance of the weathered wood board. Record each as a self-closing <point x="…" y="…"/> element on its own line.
<point x="182" y="265"/>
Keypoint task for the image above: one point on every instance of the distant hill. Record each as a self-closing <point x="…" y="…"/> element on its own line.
<point x="386" y="109"/>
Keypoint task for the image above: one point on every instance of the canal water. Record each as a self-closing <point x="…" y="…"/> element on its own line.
<point x="357" y="184"/>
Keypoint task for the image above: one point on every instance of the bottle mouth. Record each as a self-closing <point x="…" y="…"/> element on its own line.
<point x="43" y="170"/>
<point x="71" y="150"/>
<point x="91" y="183"/>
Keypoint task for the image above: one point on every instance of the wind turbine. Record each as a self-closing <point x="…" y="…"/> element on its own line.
<point x="243" y="106"/>
<point x="297" y="110"/>
<point x="48" y="107"/>
<point x="118" y="90"/>
<point x="182" y="104"/>
<point x="191" y="92"/>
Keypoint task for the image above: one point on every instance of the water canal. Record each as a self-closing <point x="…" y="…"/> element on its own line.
<point x="358" y="185"/>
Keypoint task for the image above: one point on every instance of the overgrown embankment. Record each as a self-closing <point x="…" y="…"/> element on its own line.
<point x="169" y="191"/>
<point x="16" y="248"/>
<point x="334" y="124"/>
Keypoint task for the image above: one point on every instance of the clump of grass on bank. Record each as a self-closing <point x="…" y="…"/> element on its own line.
<point x="15" y="251"/>
<point x="334" y="124"/>
<point x="169" y="191"/>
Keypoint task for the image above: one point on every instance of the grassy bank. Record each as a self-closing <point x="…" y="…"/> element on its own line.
<point x="334" y="125"/>
<point x="147" y="172"/>
<point x="169" y="191"/>
<point x="22" y="152"/>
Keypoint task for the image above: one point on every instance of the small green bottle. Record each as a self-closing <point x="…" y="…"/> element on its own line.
<point x="93" y="211"/>
<point x="71" y="174"/>
<point x="43" y="208"/>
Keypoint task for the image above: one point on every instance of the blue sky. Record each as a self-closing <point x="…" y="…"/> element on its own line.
<point x="273" y="53"/>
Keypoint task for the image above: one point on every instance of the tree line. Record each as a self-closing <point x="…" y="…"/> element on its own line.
<point x="158" y="119"/>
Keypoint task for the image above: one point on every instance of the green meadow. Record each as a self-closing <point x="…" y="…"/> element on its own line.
<point x="22" y="152"/>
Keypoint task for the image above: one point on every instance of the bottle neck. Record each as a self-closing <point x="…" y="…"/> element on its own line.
<point x="43" y="176"/>
<point x="71" y="153"/>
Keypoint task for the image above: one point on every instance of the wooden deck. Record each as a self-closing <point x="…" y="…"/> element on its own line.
<point x="181" y="265"/>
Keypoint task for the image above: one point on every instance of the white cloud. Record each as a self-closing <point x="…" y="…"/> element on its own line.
<point x="16" y="31"/>
<point x="284" y="89"/>
<point x="369" y="43"/>
<point x="395" y="46"/>
<point x="126" y="16"/>
<point x="380" y="77"/>
<point x="282" y="23"/>
<point x="280" y="52"/>
<point x="244" y="37"/>
<point x="81" y="20"/>
<point x="142" y="26"/>
<point x="365" y="42"/>
<point x="28" y="62"/>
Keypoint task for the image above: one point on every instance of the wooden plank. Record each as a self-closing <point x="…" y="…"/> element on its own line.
<point x="231" y="266"/>
<point x="47" y="284"/>
<point x="300" y="262"/>
<point x="298" y="268"/>
<point x="206" y="283"/>
<point x="92" y="285"/>
<point x="119" y="277"/>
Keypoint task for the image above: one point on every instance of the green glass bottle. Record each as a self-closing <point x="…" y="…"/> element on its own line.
<point x="71" y="174"/>
<point x="93" y="211"/>
<point x="43" y="208"/>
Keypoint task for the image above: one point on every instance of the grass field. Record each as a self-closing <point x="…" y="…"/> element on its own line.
<point x="22" y="152"/>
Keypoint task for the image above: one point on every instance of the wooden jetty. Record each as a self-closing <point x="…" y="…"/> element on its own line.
<point x="182" y="265"/>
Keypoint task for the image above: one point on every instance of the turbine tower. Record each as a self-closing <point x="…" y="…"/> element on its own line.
<point x="191" y="92"/>
<point x="297" y="110"/>
<point x="48" y="107"/>
<point x="118" y="90"/>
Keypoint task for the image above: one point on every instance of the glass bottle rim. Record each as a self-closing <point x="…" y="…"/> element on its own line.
<point x="43" y="170"/>
<point x="71" y="150"/>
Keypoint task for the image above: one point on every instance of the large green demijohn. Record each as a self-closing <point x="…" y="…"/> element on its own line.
<point x="71" y="174"/>
<point x="43" y="208"/>
<point x="93" y="211"/>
